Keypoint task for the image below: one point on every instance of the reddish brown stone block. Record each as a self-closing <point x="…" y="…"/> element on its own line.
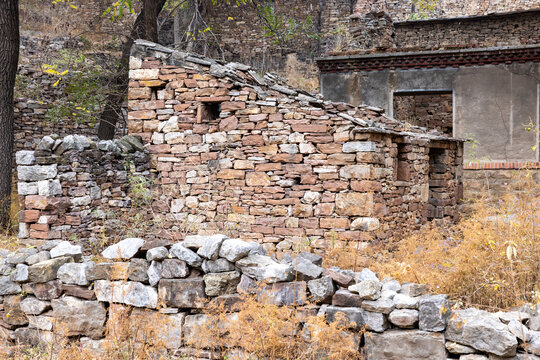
<point x="253" y="140"/>
<point x="139" y="93"/>
<point x="39" y="227"/>
<point x="257" y="179"/>
<point x="313" y="128"/>
<point x="141" y="115"/>
<point x="73" y="220"/>
<point x="287" y="158"/>
<point x="190" y="83"/>
<point x="289" y="231"/>
<point x="268" y="167"/>
<point x="29" y="216"/>
<point x="45" y="235"/>
<point x="334" y="223"/>
<point x="233" y="105"/>
<point x="181" y="107"/>
<point x="329" y="148"/>
<point x="335" y="186"/>
<point x="229" y="174"/>
<point x="158" y="149"/>
<point x="366" y="186"/>
<point x="228" y="124"/>
<point x="298" y="169"/>
<point x="309" y="179"/>
<point x="35" y="202"/>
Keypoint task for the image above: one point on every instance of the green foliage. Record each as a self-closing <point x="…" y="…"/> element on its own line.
<point x="281" y="29"/>
<point x="423" y="9"/>
<point x="83" y="86"/>
<point x="342" y="38"/>
<point x="531" y="127"/>
<point x="118" y="8"/>
<point x="139" y="186"/>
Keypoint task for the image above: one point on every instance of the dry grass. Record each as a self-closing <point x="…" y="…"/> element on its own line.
<point x="257" y="330"/>
<point x="8" y="235"/>
<point x="301" y="74"/>
<point x="260" y="329"/>
<point x="490" y="258"/>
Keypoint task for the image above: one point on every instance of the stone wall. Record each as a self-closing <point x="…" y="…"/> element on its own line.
<point x="430" y="111"/>
<point x="381" y="31"/>
<point x="53" y="294"/>
<point x="493" y="181"/>
<point x="489" y="31"/>
<point x="237" y="152"/>
<point x="77" y="188"/>
<point x="31" y="123"/>
<point x="400" y="10"/>
<point x="241" y="34"/>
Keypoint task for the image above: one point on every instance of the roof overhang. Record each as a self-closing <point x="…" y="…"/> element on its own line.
<point x="430" y="59"/>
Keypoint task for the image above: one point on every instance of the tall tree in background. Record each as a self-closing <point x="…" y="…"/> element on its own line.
<point x="145" y="27"/>
<point x="9" y="56"/>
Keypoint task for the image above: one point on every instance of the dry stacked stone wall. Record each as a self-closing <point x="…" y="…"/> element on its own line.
<point x="488" y="31"/>
<point x="380" y="27"/>
<point x="31" y="123"/>
<point x="402" y="10"/>
<point x="234" y="151"/>
<point x="241" y="32"/>
<point x="53" y="293"/>
<point x="76" y="187"/>
<point x="432" y="111"/>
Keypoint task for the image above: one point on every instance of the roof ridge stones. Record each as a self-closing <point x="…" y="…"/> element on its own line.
<point x="245" y="76"/>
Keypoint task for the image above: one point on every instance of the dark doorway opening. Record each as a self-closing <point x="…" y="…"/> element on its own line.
<point x="439" y="177"/>
<point x="433" y="110"/>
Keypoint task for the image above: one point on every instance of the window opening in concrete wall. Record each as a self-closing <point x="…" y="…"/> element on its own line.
<point x="402" y="170"/>
<point x="438" y="178"/>
<point x="433" y="110"/>
<point x="208" y="111"/>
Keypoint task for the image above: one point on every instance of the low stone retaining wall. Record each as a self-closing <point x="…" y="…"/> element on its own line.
<point x="53" y="291"/>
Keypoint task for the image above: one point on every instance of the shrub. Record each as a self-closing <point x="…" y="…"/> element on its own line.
<point x="490" y="258"/>
<point x="260" y="329"/>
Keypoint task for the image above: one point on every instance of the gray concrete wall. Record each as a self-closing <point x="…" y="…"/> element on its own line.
<point x="492" y="104"/>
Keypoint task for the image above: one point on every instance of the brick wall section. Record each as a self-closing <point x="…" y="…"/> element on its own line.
<point x="401" y="10"/>
<point x="273" y="164"/>
<point x="507" y="30"/>
<point x="65" y="195"/>
<point x="429" y="111"/>
<point x="380" y="31"/>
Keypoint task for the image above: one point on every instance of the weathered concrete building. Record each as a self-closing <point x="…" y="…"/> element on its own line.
<point x="473" y="76"/>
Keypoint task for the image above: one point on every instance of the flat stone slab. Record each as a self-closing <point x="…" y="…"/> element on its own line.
<point x="405" y="345"/>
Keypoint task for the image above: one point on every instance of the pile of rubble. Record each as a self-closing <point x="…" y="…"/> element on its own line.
<point x="54" y="290"/>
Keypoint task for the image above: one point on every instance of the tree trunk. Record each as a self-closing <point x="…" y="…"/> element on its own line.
<point x="142" y="28"/>
<point x="9" y="57"/>
<point x="151" y="13"/>
<point x="176" y="28"/>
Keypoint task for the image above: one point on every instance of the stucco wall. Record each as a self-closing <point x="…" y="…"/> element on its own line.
<point x="492" y="103"/>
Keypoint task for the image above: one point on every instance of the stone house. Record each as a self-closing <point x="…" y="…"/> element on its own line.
<point x="236" y="151"/>
<point x="229" y="150"/>
<point x="471" y="70"/>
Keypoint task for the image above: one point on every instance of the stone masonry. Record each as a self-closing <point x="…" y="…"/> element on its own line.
<point x="237" y="151"/>
<point x="228" y="150"/>
<point x="75" y="187"/>
<point x="53" y="294"/>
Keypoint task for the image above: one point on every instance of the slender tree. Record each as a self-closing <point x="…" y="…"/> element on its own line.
<point x="9" y="57"/>
<point x="145" y="27"/>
